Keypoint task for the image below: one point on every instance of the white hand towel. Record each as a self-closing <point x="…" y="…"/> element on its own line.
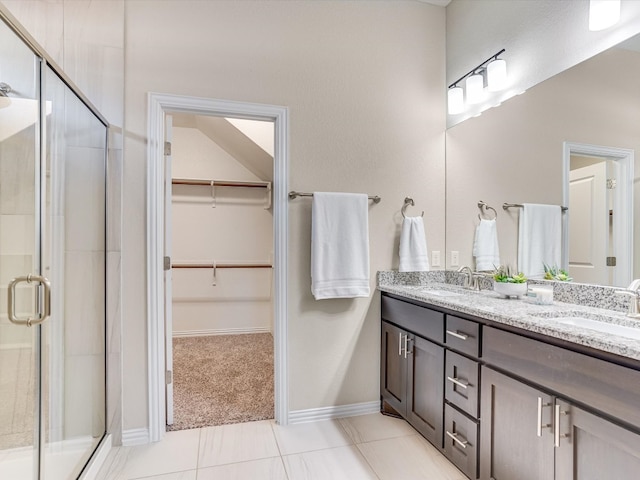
<point x="485" y="246"/>
<point x="539" y="238"/>
<point x="339" y="245"/>
<point x="413" y="246"/>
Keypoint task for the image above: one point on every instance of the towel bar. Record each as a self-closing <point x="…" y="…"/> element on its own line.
<point x="293" y="194"/>
<point x="506" y="206"/>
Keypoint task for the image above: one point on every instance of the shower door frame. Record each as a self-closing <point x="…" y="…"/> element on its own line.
<point x="90" y="469"/>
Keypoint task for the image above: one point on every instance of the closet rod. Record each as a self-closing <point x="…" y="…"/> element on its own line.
<point x="222" y="265"/>
<point x="518" y="205"/>
<point x="219" y="183"/>
<point x="294" y="194"/>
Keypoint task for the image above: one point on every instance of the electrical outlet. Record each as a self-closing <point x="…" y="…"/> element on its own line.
<point x="435" y="258"/>
<point x="455" y="258"/>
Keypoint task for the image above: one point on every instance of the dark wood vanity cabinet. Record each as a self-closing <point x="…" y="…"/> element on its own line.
<point x="413" y="367"/>
<point x="417" y="367"/>
<point x="504" y="406"/>
<point x="516" y="434"/>
<point x="539" y="432"/>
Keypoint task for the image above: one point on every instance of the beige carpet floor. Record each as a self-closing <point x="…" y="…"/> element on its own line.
<point x="222" y="379"/>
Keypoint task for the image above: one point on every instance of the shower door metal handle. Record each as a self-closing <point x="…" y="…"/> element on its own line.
<point x="46" y="301"/>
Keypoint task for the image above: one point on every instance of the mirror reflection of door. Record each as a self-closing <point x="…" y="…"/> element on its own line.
<point x="590" y="229"/>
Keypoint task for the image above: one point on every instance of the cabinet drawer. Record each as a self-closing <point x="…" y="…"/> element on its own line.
<point x="602" y="385"/>
<point x="461" y="382"/>
<point x="463" y="335"/>
<point x="461" y="441"/>
<point x="419" y="320"/>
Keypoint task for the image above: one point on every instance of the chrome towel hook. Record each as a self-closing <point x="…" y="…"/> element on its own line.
<point x="483" y="210"/>
<point x="408" y="201"/>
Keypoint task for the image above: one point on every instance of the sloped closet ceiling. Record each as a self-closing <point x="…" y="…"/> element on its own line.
<point x="233" y="141"/>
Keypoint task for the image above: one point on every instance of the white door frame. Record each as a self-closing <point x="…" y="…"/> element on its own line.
<point x="158" y="105"/>
<point x="623" y="231"/>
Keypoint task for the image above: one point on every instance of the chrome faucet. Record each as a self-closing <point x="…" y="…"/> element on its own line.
<point x="633" y="290"/>
<point x="470" y="281"/>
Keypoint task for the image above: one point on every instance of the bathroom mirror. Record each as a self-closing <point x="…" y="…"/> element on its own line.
<point x="520" y="153"/>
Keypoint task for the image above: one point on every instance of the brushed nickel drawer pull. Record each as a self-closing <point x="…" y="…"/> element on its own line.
<point x="540" y="426"/>
<point x="457" y="382"/>
<point x="557" y="434"/>
<point x="457" y="334"/>
<point x="454" y="436"/>
<point x="400" y="344"/>
<point x="406" y="345"/>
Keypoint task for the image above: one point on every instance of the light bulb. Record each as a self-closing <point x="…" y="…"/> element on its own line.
<point x="455" y="100"/>
<point x="603" y="14"/>
<point x="497" y="75"/>
<point x="475" y="89"/>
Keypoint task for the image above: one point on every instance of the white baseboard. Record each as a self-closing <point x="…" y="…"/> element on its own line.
<point x="15" y="346"/>
<point x="221" y="331"/>
<point x="135" y="436"/>
<point x="328" y="413"/>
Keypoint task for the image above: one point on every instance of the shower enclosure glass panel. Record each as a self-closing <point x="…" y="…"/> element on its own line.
<point x="19" y="255"/>
<point x="73" y="356"/>
<point x="52" y="224"/>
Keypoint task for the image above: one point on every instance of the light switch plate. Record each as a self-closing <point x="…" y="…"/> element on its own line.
<point x="435" y="258"/>
<point x="455" y="258"/>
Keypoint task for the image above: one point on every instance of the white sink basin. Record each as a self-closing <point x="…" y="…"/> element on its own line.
<point x="439" y="292"/>
<point x="442" y="293"/>
<point x="604" y="327"/>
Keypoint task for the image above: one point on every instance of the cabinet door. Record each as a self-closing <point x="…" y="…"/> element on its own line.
<point x="516" y="440"/>
<point x="591" y="448"/>
<point x="393" y="371"/>
<point x="425" y="389"/>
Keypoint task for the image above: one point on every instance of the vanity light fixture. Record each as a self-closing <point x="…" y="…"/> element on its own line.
<point x="495" y="70"/>
<point x="5" y="89"/>
<point x="497" y="75"/>
<point x="603" y="14"/>
<point x="455" y="100"/>
<point x="475" y="88"/>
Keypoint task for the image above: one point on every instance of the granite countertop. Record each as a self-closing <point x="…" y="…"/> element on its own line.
<point x="518" y="313"/>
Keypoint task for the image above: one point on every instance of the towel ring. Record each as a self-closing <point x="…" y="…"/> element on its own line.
<point x="408" y="201"/>
<point x="483" y="210"/>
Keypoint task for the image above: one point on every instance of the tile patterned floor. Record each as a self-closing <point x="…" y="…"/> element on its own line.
<point x="367" y="447"/>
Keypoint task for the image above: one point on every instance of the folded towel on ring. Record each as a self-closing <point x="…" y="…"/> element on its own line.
<point x="413" y="246"/>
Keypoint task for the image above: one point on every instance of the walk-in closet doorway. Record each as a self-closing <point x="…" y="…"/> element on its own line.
<point x="217" y="318"/>
<point x="219" y="236"/>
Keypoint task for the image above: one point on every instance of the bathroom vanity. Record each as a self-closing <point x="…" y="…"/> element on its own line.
<point x="510" y="390"/>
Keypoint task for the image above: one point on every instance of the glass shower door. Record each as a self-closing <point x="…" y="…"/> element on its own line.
<point x="52" y="224"/>
<point x="19" y="256"/>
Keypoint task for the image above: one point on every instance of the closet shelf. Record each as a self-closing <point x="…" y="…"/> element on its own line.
<point x="221" y="265"/>
<point x="219" y="183"/>
<point x="224" y="183"/>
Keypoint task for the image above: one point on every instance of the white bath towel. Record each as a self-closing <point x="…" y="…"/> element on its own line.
<point x="485" y="245"/>
<point x="339" y="245"/>
<point x="539" y="238"/>
<point x="413" y="246"/>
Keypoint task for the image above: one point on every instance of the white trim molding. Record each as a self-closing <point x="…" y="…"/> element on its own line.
<point x="329" y="413"/>
<point x="220" y="331"/>
<point x="135" y="436"/>
<point x="623" y="201"/>
<point x="158" y="105"/>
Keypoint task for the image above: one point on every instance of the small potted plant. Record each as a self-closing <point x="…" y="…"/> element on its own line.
<point x="508" y="282"/>
<point x="556" y="273"/>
